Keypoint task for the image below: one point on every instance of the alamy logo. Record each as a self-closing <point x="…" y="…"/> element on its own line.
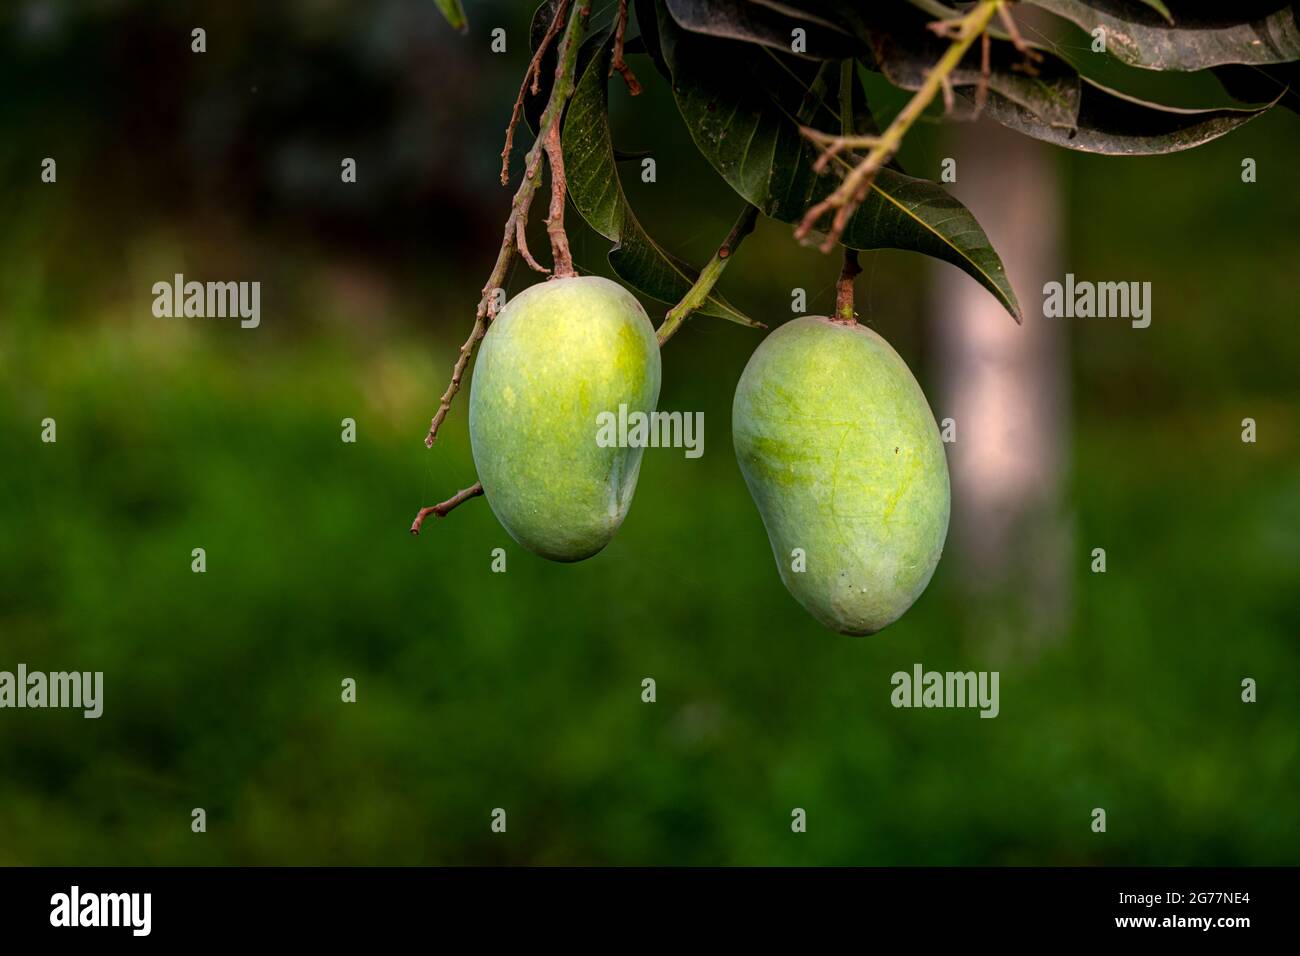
<point x="651" y="430"/>
<point x="211" y="300"/>
<point x="1103" y="300"/>
<point x="75" y="689"/>
<point x="74" y="908"/>
<point x="922" y="688"/>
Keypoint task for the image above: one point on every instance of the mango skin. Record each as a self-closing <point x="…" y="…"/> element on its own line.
<point x="843" y="458"/>
<point x="556" y="356"/>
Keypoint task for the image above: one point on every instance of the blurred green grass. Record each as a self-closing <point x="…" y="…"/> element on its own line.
<point x="522" y="690"/>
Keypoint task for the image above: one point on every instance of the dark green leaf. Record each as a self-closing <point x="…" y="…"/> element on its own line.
<point x="742" y="104"/>
<point x="596" y="192"/>
<point x="647" y="18"/>
<point x="1200" y="36"/>
<point x="1056" y="105"/>
<point x="1117" y="125"/>
<point x="1257" y="84"/>
<point x="1197" y="90"/>
<point x="769" y="24"/>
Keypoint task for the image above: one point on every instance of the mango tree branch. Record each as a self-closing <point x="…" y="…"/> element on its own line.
<point x="560" y="253"/>
<point x="532" y="80"/>
<point x="833" y="145"/>
<point x="548" y="136"/>
<point x="709" y="275"/>
<point x="857" y="182"/>
<point x="441" y="509"/>
<point x="512" y="236"/>
<point x="519" y="206"/>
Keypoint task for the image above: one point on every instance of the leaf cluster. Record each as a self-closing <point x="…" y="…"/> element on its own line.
<point x="748" y="75"/>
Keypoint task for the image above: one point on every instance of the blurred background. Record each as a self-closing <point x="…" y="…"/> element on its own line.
<point x="522" y="690"/>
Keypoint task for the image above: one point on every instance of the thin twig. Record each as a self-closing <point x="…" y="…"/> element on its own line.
<point x="617" y="62"/>
<point x="560" y="253"/>
<point x="440" y="510"/>
<point x="844" y="288"/>
<point x="986" y="71"/>
<point x="548" y="137"/>
<point x="698" y="293"/>
<point x="457" y="372"/>
<point x="833" y="145"/>
<point x="561" y="90"/>
<point x="850" y="194"/>
<point x="533" y="73"/>
<point x="1013" y="31"/>
<point x="531" y="170"/>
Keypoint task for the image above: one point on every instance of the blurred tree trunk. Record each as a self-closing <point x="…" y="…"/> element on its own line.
<point x="1007" y="388"/>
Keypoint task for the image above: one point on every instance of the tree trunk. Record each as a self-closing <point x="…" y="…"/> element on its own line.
<point x="1006" y="386"/>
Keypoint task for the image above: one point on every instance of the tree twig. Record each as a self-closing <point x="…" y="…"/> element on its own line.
<point x="442" y="508"/>
<point x="709" y="275"/>
<point x="531" y="168"/>
<point x="1013" y="31"/>
<point x="562" y="89"/>
<point x="844" y="288"/>
<point x="560" y="253"/>
<point x="982" y="89"/>
<point x="548" y="136"/>
<point x="617" y="62"/>
<point x="533" y="73"/>
<point x="850" y="194"/>
<point x="833" y="145"/>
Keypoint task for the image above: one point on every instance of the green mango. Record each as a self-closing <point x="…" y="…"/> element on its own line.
<point x="560" y="353"/>
<point x="843" y="458"/>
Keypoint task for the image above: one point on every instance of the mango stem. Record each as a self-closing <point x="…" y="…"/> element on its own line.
<point x="853" y="190"/>
<point x="699" y="292"/>
<point x="844" y="288"/>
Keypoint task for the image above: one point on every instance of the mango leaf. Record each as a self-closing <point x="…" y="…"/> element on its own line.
<point x="647" y="18"/>
<point x="597" y="194"/>
<point x="1254" y="32"/>
<point x="1201" y="90"/>
<point x="454" y="13"/>
<point x="742" y="105"/>
<point x="1112" y="123"/>
<point x="1057" y="105"/>
<point x="769" y="24"/>
<point x="1254" y="84"/>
